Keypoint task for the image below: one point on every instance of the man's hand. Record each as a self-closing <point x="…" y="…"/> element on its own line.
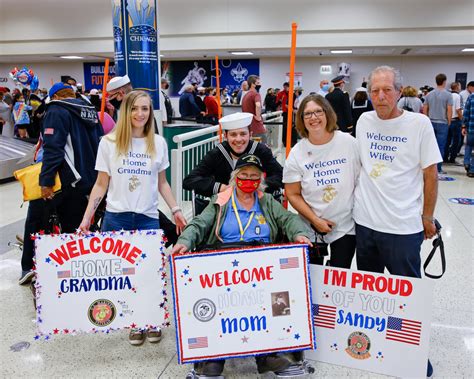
<point x="47" y="193"/>
<point x="429" y="228"/>
<point x="464" y="131"/>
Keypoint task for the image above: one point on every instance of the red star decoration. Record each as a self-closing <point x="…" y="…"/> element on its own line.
<point x="190" y="279"/>
<point x="56" y="331"/>
<point x="133" y="325"/>
<point x="66" y="331"/>
<point x="401" y="306"/>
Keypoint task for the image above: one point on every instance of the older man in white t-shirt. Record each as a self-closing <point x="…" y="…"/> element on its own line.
<point x="396" y="194"/>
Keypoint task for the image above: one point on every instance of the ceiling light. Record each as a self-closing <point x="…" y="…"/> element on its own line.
<point x="468" y="50"/>
<point x="241" y="52"/>
<point x="70" y="57"/>
<point x="161" y="55"/>
<point x="341" y="51"/>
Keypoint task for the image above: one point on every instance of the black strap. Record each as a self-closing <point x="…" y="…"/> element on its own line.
<point x="438" y="242"/>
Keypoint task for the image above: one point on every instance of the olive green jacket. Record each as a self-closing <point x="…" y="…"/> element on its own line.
<point x="205" y="228"/>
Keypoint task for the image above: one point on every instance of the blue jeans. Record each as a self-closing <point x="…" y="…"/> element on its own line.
<point x="441" y="133"/>
<point x="399" y="253"/>
<point x="128" y="221"/>
<point x="468" y="155"/>
<point x="452" y="142"/>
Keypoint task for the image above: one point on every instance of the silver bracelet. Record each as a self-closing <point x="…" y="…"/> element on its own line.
<point x="175" y="210"/>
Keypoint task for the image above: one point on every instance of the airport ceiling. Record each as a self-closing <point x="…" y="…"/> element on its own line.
<point x="261" y="53"/>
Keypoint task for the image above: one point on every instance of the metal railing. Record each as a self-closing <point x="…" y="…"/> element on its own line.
<point x="188" y="153"/>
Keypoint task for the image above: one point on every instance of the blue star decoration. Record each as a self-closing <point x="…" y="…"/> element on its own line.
<point x="47" y="260"/>
<point x="297" y="336"/>
<point x="185" y="271"/>
<point x="235" y="263"/>
<point x="228" y="289"/>
<point x="143" y="255"/>
<point x="254" y="285"/>
<point x="37" y="337"/>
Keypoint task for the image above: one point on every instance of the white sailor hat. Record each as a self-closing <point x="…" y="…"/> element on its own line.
<point x="236" y="120"/>
<point x="117" y="82"/>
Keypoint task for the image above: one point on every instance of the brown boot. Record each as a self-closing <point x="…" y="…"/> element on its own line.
<point x="273" y="362"/>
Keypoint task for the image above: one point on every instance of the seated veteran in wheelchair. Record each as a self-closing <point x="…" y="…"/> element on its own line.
<point x="243" y="213"/>
<point x="211" y="176"/>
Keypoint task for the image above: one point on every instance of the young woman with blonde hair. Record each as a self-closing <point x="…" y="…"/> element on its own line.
<point x="131" y="164"/>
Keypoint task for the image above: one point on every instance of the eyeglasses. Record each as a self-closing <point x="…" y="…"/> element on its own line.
<point x="317" y="113"/>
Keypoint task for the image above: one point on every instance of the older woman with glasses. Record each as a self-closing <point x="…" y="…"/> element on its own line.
<point x="320" y="176"/>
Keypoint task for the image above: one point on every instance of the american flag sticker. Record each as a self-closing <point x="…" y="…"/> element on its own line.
<point x="197" y="342"/>
<point x="49" y="131"/>
<point x="403" y="330"/>
<point x="324" y="316"/>
<point x="292" y="262"/>
<point x="64" y="274"/>
<point x="128" y="271"/>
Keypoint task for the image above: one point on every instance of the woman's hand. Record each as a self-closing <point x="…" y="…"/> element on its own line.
<point x="179" y="248"/>
<point x="324" y="226"/>
<point x="180" y="222"/>
<point x="85" y="225"/>
<point x="303" y="239"/>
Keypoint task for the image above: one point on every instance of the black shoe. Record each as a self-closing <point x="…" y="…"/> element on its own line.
<point x="209" y="368"/>
<point x="26" y="277"/>
<point x="429" y="370"/>
<point x="470" y="174"/>
<point x="274" y="363"/>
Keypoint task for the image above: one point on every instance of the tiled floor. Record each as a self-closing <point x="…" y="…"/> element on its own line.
<point x="452" y="337"/>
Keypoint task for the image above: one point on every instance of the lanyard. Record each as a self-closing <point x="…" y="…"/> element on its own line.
<point x="242" y="230"/>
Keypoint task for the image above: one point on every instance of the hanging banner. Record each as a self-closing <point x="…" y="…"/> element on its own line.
<point x="234" y="71"/>
<point x="233" y="303"/>
<point x="100" y="282"/>
<point x="136" y="40"/>
<point x="370" y="321"/>
<point x="181" y="74"/>
<point x="119" y="37"/>
<point x="94" y="74"/>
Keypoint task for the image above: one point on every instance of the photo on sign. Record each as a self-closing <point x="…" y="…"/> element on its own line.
<point x="281" y="304"/>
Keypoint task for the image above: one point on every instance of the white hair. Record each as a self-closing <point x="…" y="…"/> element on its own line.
<point x="397" y="78"/>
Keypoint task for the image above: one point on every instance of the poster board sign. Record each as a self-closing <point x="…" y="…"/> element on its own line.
<point x="235" y="303"/>
<point x="370" y="321"/>
<point x="100" y="282"/>
<point x="94" y="74"/>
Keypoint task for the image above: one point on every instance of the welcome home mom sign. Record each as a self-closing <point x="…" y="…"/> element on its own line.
<point x="100" y="282"/>
<point x="234" y="303"/>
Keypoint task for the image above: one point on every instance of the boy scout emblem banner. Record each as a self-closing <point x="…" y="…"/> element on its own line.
<point x="370" y="321"/>
<point x="100" y="282"/>
<point x="233" y="303"/>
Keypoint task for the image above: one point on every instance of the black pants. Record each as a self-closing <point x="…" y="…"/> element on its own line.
<point x="69" y="204"/>
<point x="168" y="228"/>
<point x="342" y="252"/>
<point x="35" y="221"/>
<point x="294" y="133"/>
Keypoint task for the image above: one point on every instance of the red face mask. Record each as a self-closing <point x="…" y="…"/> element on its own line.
<point x="248" y="185"/>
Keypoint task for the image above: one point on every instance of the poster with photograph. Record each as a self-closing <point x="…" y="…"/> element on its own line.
<point x="181" y="74"/>
<point x="100" y="282"/>
<point x="373" y="322"/>
<point x="234" y="303"/>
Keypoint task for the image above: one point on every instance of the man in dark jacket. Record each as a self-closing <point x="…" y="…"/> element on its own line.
<point x="212" y="174"/>
<point x="341" y="104"/>
<point x="71" y="133"/>
<point x="187" y="103"/>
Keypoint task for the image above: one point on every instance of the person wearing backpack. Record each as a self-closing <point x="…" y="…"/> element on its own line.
<point x="410" y="101"/>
